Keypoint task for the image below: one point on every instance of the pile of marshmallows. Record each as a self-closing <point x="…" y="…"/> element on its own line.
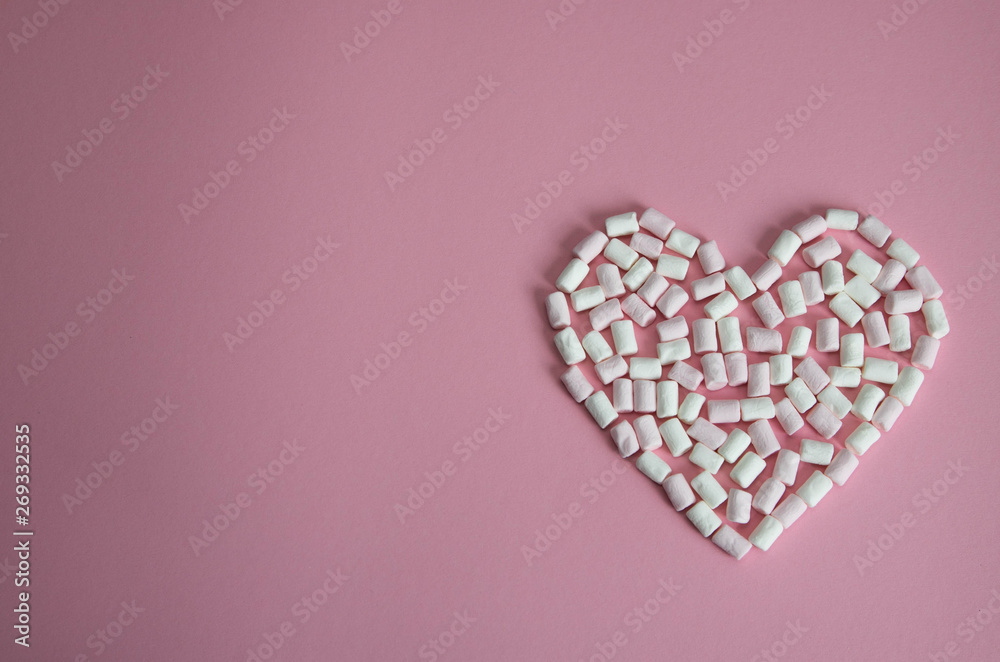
<point x="640" y="277"/>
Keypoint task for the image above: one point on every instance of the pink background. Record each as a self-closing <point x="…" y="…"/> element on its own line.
<point x="332" y="507"/>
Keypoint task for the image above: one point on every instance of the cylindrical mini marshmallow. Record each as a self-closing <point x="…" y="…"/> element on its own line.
<point x="793" y="302"/>
<point x="644" y="368"/>
<point x="828" y="334"/>
<point x="671" y="302"/>
<point x="732" y="543"/>
<point x="740" y="283"/>
<point x="705" y="339"/>
<point x="721" y="306"/>
<point x="842" y="466"/>
<point x="784" y="247"/>
<point x="899" y="333"/>
<point x="618" y="252"/>
<point x="709" y="489"/>
<point x="759" y="381"/>
<point x="844" y="377"/>
<point x="874" y="231"/>
<point x="798" y="342"/>
<point x="762" y="437"/>
<point x="685" y="375"/>
<point x="920" y="278"/>
<point x="675" y="436"/>
<point x="768" y="311"/>
<point x="611" y="369"/>
<point x="622" y="224"/>
<point x="755" y="409"/>
<point x="625" y="440"/>
<point x="862" y="438"/>
<point x="654" y="288"/>
<point x="822" y="251"/>
<point x="730" y="339"/>
<point x="591" y="247"/>
<point x="813" y="375"/>
<point x="823" y="421"/>
<point x="678" y="491"/>
<point x="835" y="401"/>
<point x="887" y="413"/>
<point x="572" y="275"/>
<point x="704" y="457"/>
<point x="861" y="292"/>
<point x="936" y="320"/>
<point x="864" y="265"/>
<point x="867" y="401"/>
<point x="577" y="384"/>
<point x="711" y="257"/>
<point x="903" y="252"/>
<point x="812" y="287"/>
<point x="852" y="350"/>
<point x="736" y="442"/>
<point x="707" y="433"/>
<point x="766" y="275"/>
<point x="924" y="352"/>
<point x="747" y="469"/>
<point x="880" y="370"/>
<point x="816" y="452"/>
<point x="672" y="266"/>
<point x="736" y="368"/>
<point x="609" y="277"/>
<point x="603" y="315"/>
<point x="683" y="243"/>
<point x="644" y="396"/>
<point x="707" y="286"/>
<point x="623" y="335"/>
<point x="675" y="350"/>
<point x="789" y="510"/>
<point x="690" y="409"/>
<point x="786" y="467"/>
<point x="841" y="219"/>
<point x="832" y="273"/>
<point x="713" y="366"/>
<point x="557" y="309"/>
<point x="596" y="346"/>
<point x="637" y="275"/>
<point x="569" y="346"/>
<point x="876" y="331"/>
<point x="768" y="495"/>
<point x="600" y="408"/>
<point x="766" y="533"/>
<point x="657" y="223"/>
<point x="647" y="433"/>
<point x="810" y="228"/>
<point x="654" y="466"/>
<point x="724" y="411"/>
<point x="672" y="329"/>
<point x="780" y="367"/>
<point x="800" y="395"/>
<point x="891" y="275"/>
<point x="815" y="488"/>
<point x="646" y="245"/>
<point x="621" y="396"/>
<point x="738" y="506"/>
<point x="789" y="419"/>
<point x="703" y="518"/>
<point x="587" y="298"/>
<point x="667" y="399"/>
<point x="764" y="341"/>
<point x="637" y="309"/>
<point x="902" y="302"/>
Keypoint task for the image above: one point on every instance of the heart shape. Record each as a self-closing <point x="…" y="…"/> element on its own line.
<point x="811" y="376"/>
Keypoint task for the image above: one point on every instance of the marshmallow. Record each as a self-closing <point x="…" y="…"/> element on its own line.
<point x="738" y="506"/>
<point x="705" y="340"/>
<point x="622" y="224"/>
<point x="672" y="329"/>
<point x="798" y="342"/>
<point x="852" y="350"/>
<point x="724" y="411"/>
<point x="644" y="368"/>
<point x="822" y="251"/>
<point x="789" y="510"/>
<point x="711" y="258"/>
<point x="934" y="317"/>
<point x="618" y="253"/>
<point x="644" y="396"/>
<point x="846" y="309"/>
<point x="861" y="292"/>
<point x="812" y="287"/>
<point x="690" y="409"/>
<point x="637" y="309"/>
<point x="766" y="275"/>
<point x="841" y="219"/>
<point x="768" y="311"/>
<point x="675" y="350"/>
<point x="766" y="533"/>
<point x="625" y="440"/>
<point x="655" y="468"/>
<point x="844" y="377"/>
<point x="828" y="334"/>
<point x="678" y="491"/>
<point x="558" y="310"/>
<point x="707" y="286"/>
<point x="786" y="466"/>
<point x="924" y="352"/>
<point x="596" y="346"/>
<point x="765" y="341"/>
<point x="672" y="267"/>
<point x="736" y="368"/>
<point x="654" y="288"/>
<point x="816" y="452"/>
<point x="603" y="315"/>
<point x="611" y="369"/>
<point x="671" y="302"/>
<point x="705" y="485"/>
<point x="815" y="488"/>
<point x="740" y="283"/>
<point x="756" y="409"/>
<point x="713" y="366"/>
<point x="783" y="249"/>
<point x="842" y="466"/>
<point x="920" y="278"/>
<point x="902" y="302"/>
<point x="832" y="274"/>
<point x="609" y="277"/>
<point x="683" y="243"/>
<point x="721" y="306"/>
<point x="823" y="421"/>
<point x="810" y="228"/>
<point x="737" y="442"/>
<point x="623" y="335"/>
<point x="747" y="469"/>
<point x="732" y="543"/>
<point x="647" y="433"/>
<point x="600" y="408"/>
<point x="874" y="231"/>
<point x="800" y="395"/>
<point x="621" y="396"/>
<point x="835" y="401"/>
<point x="703" y="518"/>
<point x="780" y="369"/>
<point x="793" y="302"/>
<point x="887" y="413"/>
<point x="688" y="377"/>
<point x="768" y="495"/>
<point x="903" y="252"/>
<point x="789" y="419"/>
<point x="709" y="435"/>
<point x="759" y="382"/>
<point x="657" y="223"/>
<point x="876" y="332"/>
<point x="899" y="333"/>
<point x="867" y="401"/>
<point x="862" y="438"/>
<point x="569" y="346"/>
<point x="667" y="399"/>
<point x="577" y="384"/>
<point x="891" y="275"/>
<point x="730" y="339"/>
<point x="637" y="274"/>
<point x="813" y="375"/>
<point x="587" y="298"/>
<point x="763" y="439"/>
<point x="591" y="247"/>
<point x="646" y="245"/>
<point x="572" y="275"/>
<point x="864" y="265"/>
<point x="675" y="436"/>
<point x="880" y="370"/>
<point x="704" y="457"/>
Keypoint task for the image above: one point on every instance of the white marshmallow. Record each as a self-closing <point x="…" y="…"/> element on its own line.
<point x="813" y="375"/>
<point x="732" y="543"/>
<point x="766" y="275"/>
<point x="841" y="219"/>
<point x="767" y="310"/>
<point x="572" y="275"/>
<point x="637" y="274"/>
<point x="647" y="433"/>
<point x="798" y="342"/>
<point x="862" y="292"/>
<point x="683" y="243"/>
<point x="646" y="245"/>
<point x="800" y="395"/>
<point x="842" y="467"/>
<point x="828" y="334"/>
<point x="759" y="382"/>
<point x="935" y="319"/>
<point x="756" y="409"/>
<point x="822" y="251"/>
<point x="903" y="252"/>
<point x="611" y="369"/>
<point x="862" y="438"/>
<point x="672" y="329"/>
<point x="609" y="277"/>
<point x="704" y="457"/>
<point x="705" y="485"/>
<point x="867" y="401"/>
<point x="925" y="352"/>
<point x="880" y="370"/>
<point x="618" y="253"/>
<point x="678" y="491"/>
<point x="622" y="224"/>
<point x="738" y="506"/>
<point x="786" y="467"/>
<point x="763" y="439"/>
<point x="835" y="401"/>
<point x="667" y="399"/>
<point x="810" y="228"/>
<point x="724" y="411"/>
<point x="780" y="369"/>
<point x="657" y="223"/>
<point x="623" y="335"/>
<point x="844" y="377"/>
<point x="730" y="339"/>
<point x="832" y="273"/>
<point x="784" y="247"/>
<point x="768" y="495"/>
<point x="711" y="436"/>
<point x="793" y="301"/>
<point x="703" y="518"/>
<point x="637" y="309"/>
<point x="740" y="283"/>
<point x="596" y="346"/>
<point x="671" y="302"/>
<point x="864" y="265"/>
<point x="690" y="409"/>
<point x="876" y="331"/>
<point x="711" y="257"/>
<point x="707" y="286"/>
<point x="815" y="488"/>
<point x="823" y="421"/>
<point x="765" y="341"/>
<point x="654" y="288"/>
<point x="899" y="333"/>
<point x="569" y="346"/>
<point x="621" y="396"/>
<point x="600" y="408"/>
<point x="789" y="510"/>
<point x="655" y="468"/>
<point x="705" y="339"/>
<point x="852" y="350"/>
<point x="557" y="310"/>
<point x="675" y="436"/>
<point x="603" y="315"/>
<point x="672" y="266"/>
<point x="812" y="287"/>
<point x="713" y="366"/>
<point x="675" y="350"/>
<point x="577" y="384"/>
<point x="625" y="440"/>
<point x="891" y="275"/>
<point x="591" y="247"/>
<point x="887" y="413"/>
<point x="644" y="396"/>
<point x="737" y="442"/>
<point x="789" y="419"/>
<point x="721" y="306"/>
<point x="645" y="368"/>
<point x="766" y="533"/>
<point x="902" y="302"/>
<point x="587" y="298"/>
<point x="874" y="231"/>
<point x="736" y="368"/>
<point x="688" y="377"/>
<point x="920" y="278"/>
<point x="816" y="452"/>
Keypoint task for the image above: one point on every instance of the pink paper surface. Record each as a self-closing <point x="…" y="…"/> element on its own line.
<point x="333" y="263"/>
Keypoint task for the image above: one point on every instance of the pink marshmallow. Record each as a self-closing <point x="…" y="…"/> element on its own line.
<point x="768" y="311"/>
<point x="887" y="413"/>
<point x="767" y="275"/>
<point x="671" y="302"/>
<point x="656" y="223"/>
<point x="828" y="334"/>
<point x="577" y="384"/>
<point x="920" y="278"/>
<point x="591" y="247"/>
<point x="688" y="377"/>
<point x="765" y="341"/>
<point x="788" y="417"/>
<point x="810" y="228"/>
<point x="654" y="288"/>
<point x="678" y="491"/>
<point x="711" y="257"/>
<point x="705" y="339"/>
<point x="611" y="369"/>
<point x="637" y="309"/>
<point x="625" y="440"/>
<point x="824" y="421"/>
<point x="925" y="352"/>
<point x="890" y="276"/>
<point x="876" y="331"/>
<point x="646" y="245"/>
<point x="672" y="329"/>
<point x="763" y="439"/>
<point x="603" y="315"/>
<point x="736" y="368"/>
<point x="647" y="432"/>
<point x="707" y="433"/>
<point x="768" y="495"/>
<point x="723" y="411"/>
<point x="713" y="366"/>
<point x="843" y="465"/>
<point x="812" y="374"/>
